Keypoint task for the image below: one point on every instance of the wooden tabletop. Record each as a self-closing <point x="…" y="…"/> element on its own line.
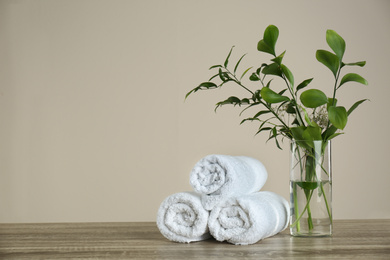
<point x="352" y="239"/>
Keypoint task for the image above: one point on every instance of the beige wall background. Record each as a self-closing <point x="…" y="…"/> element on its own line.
<point x="93" y="123"/>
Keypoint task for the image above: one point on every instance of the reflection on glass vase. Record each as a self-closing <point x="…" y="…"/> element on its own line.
<point x="310" y="188"/>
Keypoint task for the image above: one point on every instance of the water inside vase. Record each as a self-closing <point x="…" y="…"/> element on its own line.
<point x="311" y="210"/>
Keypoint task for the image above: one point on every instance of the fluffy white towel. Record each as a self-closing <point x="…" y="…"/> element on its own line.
<point x="249" y="218"/>
<point x="218" y="177"/>
<point x="181" y="218"/>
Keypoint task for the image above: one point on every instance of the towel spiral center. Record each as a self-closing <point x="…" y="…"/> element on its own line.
<point x="234" y="217"/>
<point x="210" y="177"/>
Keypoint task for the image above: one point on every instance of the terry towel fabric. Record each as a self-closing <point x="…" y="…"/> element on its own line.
<point x="249" y="218"/>
<point x="181" y="218"/>
<point x="218" y="177"/>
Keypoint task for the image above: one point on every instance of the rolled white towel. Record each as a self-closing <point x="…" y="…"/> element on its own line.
<point x="249" y="218"/>
<point x="218" y="177"/>
<point x="182" y="218"/>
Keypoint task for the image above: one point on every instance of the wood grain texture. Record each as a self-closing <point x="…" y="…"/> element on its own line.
<point x="352" y="239"/>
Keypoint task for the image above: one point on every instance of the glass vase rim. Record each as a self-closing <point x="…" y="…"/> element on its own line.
<point x="303" y="140"/>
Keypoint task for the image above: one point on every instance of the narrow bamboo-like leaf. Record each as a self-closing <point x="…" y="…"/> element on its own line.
<point x="243" y="74"/>
<point x="227" y="58"/>
<point x="273" y="135"/>
<point x="313" y="98"/>
<point x="353" y="77"/>
<point x="307" y="118"/>
<point x="282" y="92"/>
<point x="207" y="85"/>
<point x="303" y="84"/>
<point x="336" y="43"/>
<point x="223" y="75"/>
<point x="277" y="143"/>
<point x="249" y="119"/>
<point x="354" y="106"/>
<point x="224" y="82"/>
<point x="215" y="66"/>
<point x="203" y="85"/>
<point x="267" y="121"/>
<point x="216" y="75"/>
<point x="261" y="113"/>
<point x="329" y="132"/>
<point x="329" y="60"/>
<point x="338" y="116"/>
<point x="249" y="106"/>
<point x="272" y="97"/>
<point x="359" y="63"/>
<point x="272" y="69"/>
<point x="333" y="136"/>
<point x="263" y="129"/>
<point x="288" y="74"/>
<point x="229" y="101"/>
<point x="238" y="63"/>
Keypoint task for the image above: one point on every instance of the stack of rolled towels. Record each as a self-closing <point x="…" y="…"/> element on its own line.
<point x="226" y="203"/>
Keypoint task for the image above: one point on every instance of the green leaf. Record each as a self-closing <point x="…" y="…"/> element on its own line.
<point x="223" y="75"/>
<point x="333" y="136"/>
<point x="354" y="106"/>
<point x="273" y="135"/>
<point x="238" y="62"/>
<point x="336" y="43"/>
<point x="288" y="74"/>
<point x="264" y="47"/>
<point x="227" y="58"/>
<point x="329" y="132"/>
<point x="297" y="132"/>
<point x="338" y="116"/>
<point x="254" y="77"/>
<point x="256" y="117"/>
<point x="353" y="77"/>
<point x="308" y="185"/>
<point x="263" y="129"/>
<point x="290" y="108"/>
<point x="272" y="69"/>
<point x="313" y="98"/>
<point x="272" y="97"/>
<point x="303" y="84"/>
<point x="215" y="66"/>
<point x="232" y="101"/>
<point x="256" y="96"/>
<point x="202" y="86"/>
<point x="243" y="74"/>
<point x="331" y="102"/>
<point x="249" y="119"/>
<point x="359" y="63"/>
<point x="312" y="133"/>
<point x="279" y="59"/>
<point x="261" y="113"/>
<point x="329" y="60"/>
<point x="307" y="118"/>
<point x="270" y="37"/>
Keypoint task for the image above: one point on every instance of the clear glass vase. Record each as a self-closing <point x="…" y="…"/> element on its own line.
<point x="311" y="188"/>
